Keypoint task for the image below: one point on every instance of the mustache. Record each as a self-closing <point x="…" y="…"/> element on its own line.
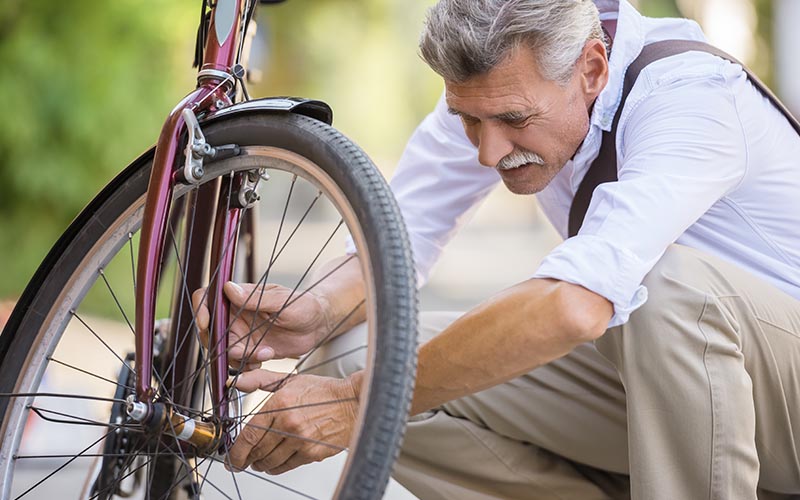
<point x="519" y="157"/>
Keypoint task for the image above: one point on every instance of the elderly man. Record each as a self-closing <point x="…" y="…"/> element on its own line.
<point x="661" y="340"/>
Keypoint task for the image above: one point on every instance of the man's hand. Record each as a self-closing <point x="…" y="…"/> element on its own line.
<point x="267" y="322"/>
<point x="307" y="419"/>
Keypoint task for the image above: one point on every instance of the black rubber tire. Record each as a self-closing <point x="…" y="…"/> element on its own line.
<point x="389" y="255"/>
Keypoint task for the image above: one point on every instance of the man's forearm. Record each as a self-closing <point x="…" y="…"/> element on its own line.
<point x="523" y="327"/>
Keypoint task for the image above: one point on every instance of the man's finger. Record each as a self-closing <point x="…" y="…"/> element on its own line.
<point x="269" y="443"/>
<point x="244" y="342"/>
<point x="250" y="436"/>
<point x="294" y="462"/>
<point x="276" y="457"/>
<point x="199" y="305"/>
<point x="260" y="379"/>
<point x="266" y="298"/>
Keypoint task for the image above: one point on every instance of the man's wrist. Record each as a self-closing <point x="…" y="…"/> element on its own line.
<point x="355" y="380"/>
<point x="329" y="316"/>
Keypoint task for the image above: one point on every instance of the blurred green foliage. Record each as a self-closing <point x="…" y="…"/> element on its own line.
<point x="87" y="85"/>
<point x="659" y="8"/>
<point x="361" y="58"/>
<point x="90" y="83"/>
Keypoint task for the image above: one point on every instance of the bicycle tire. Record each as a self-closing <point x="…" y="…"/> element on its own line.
<point x="37" y="323"/>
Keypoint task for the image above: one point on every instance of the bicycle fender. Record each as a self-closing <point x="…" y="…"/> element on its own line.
<point x="308" y="107"/>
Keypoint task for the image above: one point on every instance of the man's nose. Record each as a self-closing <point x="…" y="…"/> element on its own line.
<point x="493" y="146"/>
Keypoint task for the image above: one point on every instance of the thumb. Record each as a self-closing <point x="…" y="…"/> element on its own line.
<point x="266" y="380"/>
<point x="253" y="297"/>
<point x="199" y="304"/>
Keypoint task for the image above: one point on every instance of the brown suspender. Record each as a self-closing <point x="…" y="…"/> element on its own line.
<point x="604" y="168"/>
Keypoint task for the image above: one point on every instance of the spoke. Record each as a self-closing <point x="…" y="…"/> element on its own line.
<point x="118" y="481"/>
<point x="223" y="336"/>
<point x="291" y="295"/>
<point x="210" y="483"/>
<point x="296" y="227"/>
<point x="62" y="466"/>
<point x="78" y="420"/>
<point x="300" y="281"/>
<point x="133" y="263"/>
<point x="280" y="225"/>
<point x="87" y="455"/>
<point x="272" y="320"/>
<point x="323" y="278"/>
<point x="180" y="449"/>
<point x="297" y="407"/>
<point x="205" y="476"/>
<point x="329" y="360"/>
<point x="75" y="314"/>
<point x="151" y="468"/>
<point x="193" y="470"/>
<point x="155" y="373"/>
<point x="265" y="479"/>
<point x="253" y="329"/>
<point x="184" y="288"/>
<point x="130" y="457"/>
<point x="225" y="249"/>
<point x="56" y="395"/>
<point x="298" y="436"/>
<point x="62" y="363"/>
<point x="317" y="346"/>
<point x="91" y="330"/>
<point x="265" y="276"/>
<point x="114" y="296"/>
<point x="327" y="337"/>
<point x="190" y="470"/>
<point x="230" y="469"/>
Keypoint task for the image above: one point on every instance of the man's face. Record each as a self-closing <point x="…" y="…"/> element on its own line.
<point x="523" y="125"/>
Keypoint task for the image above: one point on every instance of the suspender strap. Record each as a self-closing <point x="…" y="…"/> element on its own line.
<point x="604" y="168"/>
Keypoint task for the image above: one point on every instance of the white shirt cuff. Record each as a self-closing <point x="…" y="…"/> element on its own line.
<point x="599" y="266"/>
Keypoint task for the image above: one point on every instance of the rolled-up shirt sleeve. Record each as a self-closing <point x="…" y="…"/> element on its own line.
<point x="681" y="149"/>
<point x="437" y="181"/>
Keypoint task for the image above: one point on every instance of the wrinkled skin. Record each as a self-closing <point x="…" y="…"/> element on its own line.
<point x="275" y="440"/>
<point x="292" y="333"/>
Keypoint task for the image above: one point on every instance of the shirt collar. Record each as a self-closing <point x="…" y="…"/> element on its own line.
<point x="628" y="43"/>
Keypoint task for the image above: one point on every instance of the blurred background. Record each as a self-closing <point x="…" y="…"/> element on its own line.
<point x="87" y="85"/>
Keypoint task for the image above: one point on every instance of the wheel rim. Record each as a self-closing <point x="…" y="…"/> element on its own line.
<point x="114" y="244"/>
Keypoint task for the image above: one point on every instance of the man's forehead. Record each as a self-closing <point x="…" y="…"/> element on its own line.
<point x="481" y="101"/>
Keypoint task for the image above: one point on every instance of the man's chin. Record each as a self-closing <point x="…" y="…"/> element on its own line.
<point x="528" y="179"/>
<point x="522" y="188"/>
<point x="521" y="185"/>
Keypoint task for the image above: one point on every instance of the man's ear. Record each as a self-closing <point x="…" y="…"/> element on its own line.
<point x="593" y="68"/>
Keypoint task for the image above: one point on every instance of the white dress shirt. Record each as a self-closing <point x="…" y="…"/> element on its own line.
<point x="703" y="160"/>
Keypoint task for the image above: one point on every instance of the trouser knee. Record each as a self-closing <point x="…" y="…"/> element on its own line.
<point x="347" y="353"/>
<point x="682" y="288"/>
<point x="341" y="356"/>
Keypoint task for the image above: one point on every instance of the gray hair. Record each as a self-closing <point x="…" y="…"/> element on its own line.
<point x="467" y="38"/>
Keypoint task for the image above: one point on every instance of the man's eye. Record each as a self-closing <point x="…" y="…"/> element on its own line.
<point x="469" y="120"/>
<point x="518" y="122"/>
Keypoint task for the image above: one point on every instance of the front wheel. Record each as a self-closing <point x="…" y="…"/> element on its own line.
<point x="66" y="364"/>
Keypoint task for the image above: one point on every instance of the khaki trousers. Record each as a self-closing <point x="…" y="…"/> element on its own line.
<point x="696" y="397"/>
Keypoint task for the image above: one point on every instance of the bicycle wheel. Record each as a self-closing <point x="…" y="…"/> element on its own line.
<point x="65" y="371"/>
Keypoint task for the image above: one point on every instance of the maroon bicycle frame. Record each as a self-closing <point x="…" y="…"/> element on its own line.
<point x="215" y="85"/>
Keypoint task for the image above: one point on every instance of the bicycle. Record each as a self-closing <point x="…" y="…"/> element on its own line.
<point x="155" y="420"/>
